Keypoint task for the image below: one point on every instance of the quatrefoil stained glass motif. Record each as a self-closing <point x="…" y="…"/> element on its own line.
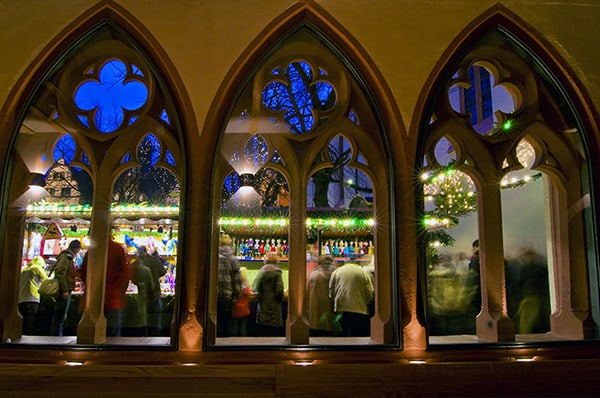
<point x="114" y="92"/>
<point x="299" y="96"/>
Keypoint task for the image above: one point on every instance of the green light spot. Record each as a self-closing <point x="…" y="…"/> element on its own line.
<point x="507" y="125"/>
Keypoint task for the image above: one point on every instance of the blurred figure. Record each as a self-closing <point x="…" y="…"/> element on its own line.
<point x="268" y="286"/>
<point x="351" y="289"/>
<point x="142" y="277"/>
<point x="241" y="308"/>
<point x="64" y="272"/>
<point x="228" y="287"/>
<point x="155" y="306"/>
<point x="533" y="314"/>
<point x="29" y="299"/>
<point x="320" y="306"/>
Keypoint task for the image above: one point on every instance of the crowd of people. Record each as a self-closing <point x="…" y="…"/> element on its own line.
<point x="144" y="270"/>
<point x="454" y="293"/>
<point x="338" y="298"/>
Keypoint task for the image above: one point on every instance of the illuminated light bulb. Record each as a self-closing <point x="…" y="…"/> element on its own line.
<point x="507" y="125"/>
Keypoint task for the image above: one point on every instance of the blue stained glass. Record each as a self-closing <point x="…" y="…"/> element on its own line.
<point x="108" y="97"/>
<point x="126" y="158"/>
<point x="299" y="97"/>
<point x="149" y="150"/>
<point x="324" y="93"/>
<point x="170" y="158"/>
<point x="256" y="150"/>
<point x="352" y="116"/>
<point x="277" y="158"/>
<point x="165" y="117"/>
<point x="85" y="159"/>
<point x="44" y="157"/>
<point x="136" y="70"/>
<point x="65" y="149"/>
<point x="83" y="119"/>
<point x="231" y="184"/>
<point x="132" y="120"/>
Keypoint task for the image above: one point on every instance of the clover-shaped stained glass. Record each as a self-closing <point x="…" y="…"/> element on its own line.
<point x="298" y="96"/>
<point x="114" y="92"/>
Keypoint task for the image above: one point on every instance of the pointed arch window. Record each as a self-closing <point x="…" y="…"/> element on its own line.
<point x="293" y="139"/>
<point x="503" y="161"/>
<point x="102" y="132"/>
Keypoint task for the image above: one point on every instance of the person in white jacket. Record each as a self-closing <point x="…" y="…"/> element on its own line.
<point x="351" y="289"/>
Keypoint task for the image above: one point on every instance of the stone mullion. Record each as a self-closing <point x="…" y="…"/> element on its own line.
<point x="297" y="330"/>
<point x="492" y="323"/>
<point x="92" y="327"/>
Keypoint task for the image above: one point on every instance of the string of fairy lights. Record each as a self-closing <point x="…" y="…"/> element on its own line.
<point x="52" y="209"/>
<point x="450" y="193"/>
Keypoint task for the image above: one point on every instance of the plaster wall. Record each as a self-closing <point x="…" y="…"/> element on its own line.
<point x="404" y="38"/>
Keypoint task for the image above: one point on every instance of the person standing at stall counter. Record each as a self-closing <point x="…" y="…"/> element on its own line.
<point x="155" y="306"/>
<point x="351" y="289"/>
<point x="268" y="286"/>
<point x="32" y="276"/>
<point x="320" y="306"/>
<point x="64" y="272"/>
<point x="229" y="285"/>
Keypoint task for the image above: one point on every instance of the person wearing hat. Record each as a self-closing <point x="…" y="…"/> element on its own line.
<point x="64" y="272"/>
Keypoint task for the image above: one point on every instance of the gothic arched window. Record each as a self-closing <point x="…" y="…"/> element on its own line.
<point x="508" y="227"/>
<point x="101" y="142"/>
<point x="302" y="175"/>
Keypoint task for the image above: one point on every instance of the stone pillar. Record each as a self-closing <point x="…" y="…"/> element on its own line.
<point x="10" y="320"/>
<point x="92" y="326"/>
<point x="492" y="323"/>
<point x="566" y="232"/>
<point x="297" y="329"/>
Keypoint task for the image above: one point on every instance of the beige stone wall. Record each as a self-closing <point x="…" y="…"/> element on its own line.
<point x="405" y="38"/>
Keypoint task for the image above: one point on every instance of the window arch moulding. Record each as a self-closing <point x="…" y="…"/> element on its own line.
<point x="501" y="133"/>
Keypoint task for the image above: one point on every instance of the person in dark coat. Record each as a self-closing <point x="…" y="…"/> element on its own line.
<point x="64" y="272"/>
<point x="229" y="285"/>
<point x="268" y="286"/>
<point x="155" y="305"/>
